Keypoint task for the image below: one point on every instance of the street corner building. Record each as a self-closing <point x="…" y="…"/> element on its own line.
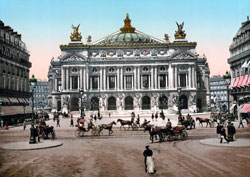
<point x="129" y="70"/>
<point x="240" y="69"/>
<point x="14" y="77"/>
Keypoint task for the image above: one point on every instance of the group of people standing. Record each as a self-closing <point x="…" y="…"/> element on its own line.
<point x="221" y="131"/>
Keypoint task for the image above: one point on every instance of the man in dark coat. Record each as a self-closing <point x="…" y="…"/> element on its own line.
<point x="218" y="130"/>
<point x="231" y="131"/>
<point x="223" y="135"/>
<point x="147" y="152"/>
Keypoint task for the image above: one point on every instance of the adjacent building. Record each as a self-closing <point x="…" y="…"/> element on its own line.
<point x="240" y="68"/>
<point x="14" y="76"/>
<point x="40" y="94"/>
<point x="219" y="94"/>
<point x="129" y="70"/>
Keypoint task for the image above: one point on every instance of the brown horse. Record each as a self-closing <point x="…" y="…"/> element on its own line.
<point x="203" y="120"/>
<point x="125" y="122"/>
<point x="106" y="126"/>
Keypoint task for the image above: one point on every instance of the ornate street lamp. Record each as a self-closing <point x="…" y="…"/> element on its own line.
<point x="1" y="113"/>
<point x="179" y="106"/>
<point x="227" y="79"/>
<point x="82" y="107"/>
<point x="33" y="82"/>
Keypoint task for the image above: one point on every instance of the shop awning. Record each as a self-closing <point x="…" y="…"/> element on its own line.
<point x="240" y="81"/>
<point x="244" y="83"/>
<point x="232" y="83"/>
<point x="236" y="81"/>
<point x="21" y="100"/>
<point x="245" y="108"/>
<point x="248" y="82"/>
<point x="5" y="99"/>
<point x="14" y="110"/>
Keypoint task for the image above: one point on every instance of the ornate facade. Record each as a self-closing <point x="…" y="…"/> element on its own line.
<point x="129" y="70"/>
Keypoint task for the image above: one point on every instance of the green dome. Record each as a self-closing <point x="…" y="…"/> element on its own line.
<point x="123" y="38"/>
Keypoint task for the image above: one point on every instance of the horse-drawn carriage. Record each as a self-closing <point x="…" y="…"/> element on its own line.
<point x="44" y="130"/>
<point x="176" y="133"/>
<point x="134" y="125"/>
<point x="94" y="130"/>
<point x="209" y="122"/>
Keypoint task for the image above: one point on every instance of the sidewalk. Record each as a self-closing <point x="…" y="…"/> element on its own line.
<point x="26" y="146"/>
<point x="216" y="142"/>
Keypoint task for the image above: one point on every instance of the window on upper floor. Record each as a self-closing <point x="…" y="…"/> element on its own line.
<point x="111" y="82"/>
<point x="145" y="81"/>
<point x="128" y="80"/>
<point x="183" y="80"/>
<point x="162" y="81"/>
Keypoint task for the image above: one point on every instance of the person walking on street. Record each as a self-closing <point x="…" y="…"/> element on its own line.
<point x="24" y="124"/>
<point x="148" y="160"/>
<point x="58" y="122"/>
<point x="156" y="116"/>
<point x="241" y="124"/>
<point x="71" y="122"/>
<point x="152" y="116"/>
<point x="223" y="135"/>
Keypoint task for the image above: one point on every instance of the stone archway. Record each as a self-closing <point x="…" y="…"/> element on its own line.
<point x="74" y="104"/>
<point x="111" y="103"/>
<point x="146" y="102"/>
<point x="163" y="102"/>
<point x="183" y="102"/>
<point x="129" y="105"/>
<point x="94" y="104"/>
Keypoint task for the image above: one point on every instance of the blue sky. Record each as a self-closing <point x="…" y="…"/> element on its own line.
<point x="46" y="24"/>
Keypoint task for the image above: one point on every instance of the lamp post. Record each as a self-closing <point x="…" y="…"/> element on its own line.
<point x="179" y="106"/>
<point x="82" y="107"/>
<point x="227" y="79"/>
<point x="24" y="110"/>
<point x="1" y="113"/>
<point x="33" y="82"/>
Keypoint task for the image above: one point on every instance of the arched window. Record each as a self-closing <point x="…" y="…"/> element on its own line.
<point x="163" y="102"/>
<point x="111" y="103"/>
<point x="129" y="105"/>
<point x="145" y="69"/>
<point x="183" y="102"/>
<point x="74" y="70"/>
<point x="128" y="69"/>
<point x="94" y="70"/>
<point x="94" y="103"/>
<point x="146" y="102"/>
<point x="111" y="70"/>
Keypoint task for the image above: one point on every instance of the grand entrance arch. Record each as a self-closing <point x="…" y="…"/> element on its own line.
<point x="129" y="105"/>
<point x="74" y="104"/>
<point x="163" y="102"/>
<point x="146" y="102"/>
<point x="94" y="104"/>
<point x="112" y="103"/>
<point x="183" y="102"/>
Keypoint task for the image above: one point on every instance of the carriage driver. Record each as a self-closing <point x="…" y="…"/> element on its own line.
<point x="169" y="124"/>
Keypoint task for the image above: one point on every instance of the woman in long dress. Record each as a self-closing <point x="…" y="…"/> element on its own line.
<point x="148" y="160"/>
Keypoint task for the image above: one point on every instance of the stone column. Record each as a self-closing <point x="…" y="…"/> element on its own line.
<point x="104" y="78"/>
<point x="152" y="78"/>
<point x="84" y="79"/>
<point x="122" y="78"/>
<point x="118" y="78"/>
<point x="101" y="78"/>
<point x="80" y="78"/>
<point x="138" y="79"/>
<point x="195" y="77"/>
<point x="87" y="78"/>
<point x="63" y="79"/>
<point x="189" y="77"/>
<point x="135" y="83"/>
<point x="107" y="82"/>
<point x="156" y="74"/>
<point x="176" y="77"/>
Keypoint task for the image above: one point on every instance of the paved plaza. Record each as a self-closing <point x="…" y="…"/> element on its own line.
<point x="121" y="153"/>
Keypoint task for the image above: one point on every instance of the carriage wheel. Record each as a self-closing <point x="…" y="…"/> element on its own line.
<point x="184" y="135"/>
<point x="53" y="134"/>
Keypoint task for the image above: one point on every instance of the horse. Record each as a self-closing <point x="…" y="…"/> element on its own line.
<point x="203" y="120"/>
<point x="153" y="132"/>
<point x="125" y="122"/>
<point x="190" y="123"/>
<point x="106" y="126"/>
<point x="44" y="131"/>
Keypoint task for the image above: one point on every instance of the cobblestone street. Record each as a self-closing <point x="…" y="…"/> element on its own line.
<point x="121" y="155"/>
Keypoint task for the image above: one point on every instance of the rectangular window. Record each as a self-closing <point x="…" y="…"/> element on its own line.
<point x="111" y="82"/>
<point x="162" y="81"/>
<point x="94" y="82"/>
<point x="183" y="80"/>
<point x="145" y="81"/>
<point x="199" y="82"/>
<point x="74" y="82"/>
<point x="128" y="82"/>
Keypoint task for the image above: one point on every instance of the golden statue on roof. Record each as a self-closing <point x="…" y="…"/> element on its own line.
<point x="180" y="34"/>
<point x="127" y="28"/>
<point x="75" y="36"/>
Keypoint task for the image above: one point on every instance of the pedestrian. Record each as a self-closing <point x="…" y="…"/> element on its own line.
<point x="58" y="122"/>
<point x="24" y="124"/>
<point x="231" y="132"/>
<point x="71" y="122"/>
<point x="6" y="127"/>
<point x="148" y="160"/>
<point x="95" y="118"/>
<point x="138" y="120"/>
<point x="241" y="124"/>
<point x="152" y="116"/>
<point x="37" y="133"/>
<point x="218" y="130"/>
<point x="156" y="116"/>
<point x="223" y="135"/>
<point x="109" y="114"/>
